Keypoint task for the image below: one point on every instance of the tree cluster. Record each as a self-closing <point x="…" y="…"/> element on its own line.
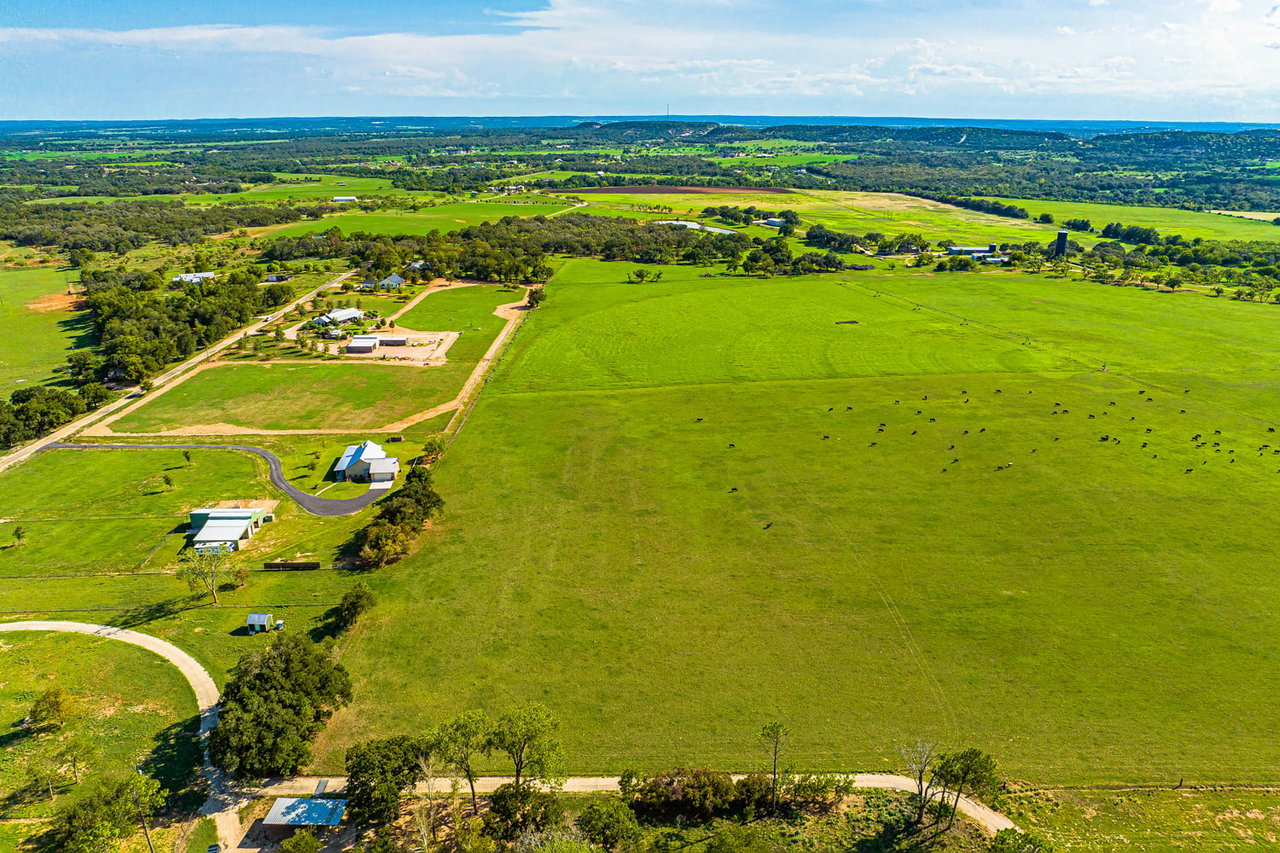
<point x="38" y="410"/>
<point x="126" y="225"/>
<point x="140" y="331"/>
<point x="400" y="519"/>
<point x="276" y="700"/>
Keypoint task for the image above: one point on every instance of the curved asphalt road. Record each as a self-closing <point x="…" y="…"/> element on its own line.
<point x="314" y="504"/>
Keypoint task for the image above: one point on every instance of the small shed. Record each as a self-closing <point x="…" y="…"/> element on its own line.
<point x="259" y="622"/>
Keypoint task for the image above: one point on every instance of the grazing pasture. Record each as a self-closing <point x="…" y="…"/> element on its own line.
<point x="886" y="213"/>
<point x="1153" y="821"/>
<point x="682" y="509"/>
<point x="41" y="322"/>
<point x="85" y="512"/>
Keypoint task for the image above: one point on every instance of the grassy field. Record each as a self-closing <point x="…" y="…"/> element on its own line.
<point x="42" y="324"/>
<point x="96" y="512"/>
<point x="466" y="309"/>
<point x="445" y="217"/>
<point x="724" y="536"/>
<point x="134" y="707"/>
<point x="1153" y="821"/>
<point x="108" y="514"/>
<point x="318" y="395"/>
<point x="1167" y="220"/>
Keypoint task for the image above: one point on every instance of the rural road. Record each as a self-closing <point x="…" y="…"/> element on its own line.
<point x="314" y="504"/>
<point x="171" y="377"/>
<point x="301" y="786"/>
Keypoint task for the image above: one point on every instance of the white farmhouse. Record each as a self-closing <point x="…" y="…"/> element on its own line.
<point x="366" y="463"/>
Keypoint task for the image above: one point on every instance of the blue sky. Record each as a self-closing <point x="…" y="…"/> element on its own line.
<point x="1098" y="59"/>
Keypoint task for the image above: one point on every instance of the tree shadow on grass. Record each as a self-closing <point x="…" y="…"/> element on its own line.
<point x="174" y="761"/>
<point x="144" y="613"/>
<point x="328" y="629"/>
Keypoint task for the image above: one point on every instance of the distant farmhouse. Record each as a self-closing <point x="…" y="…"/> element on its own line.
<point x="278" y="276"/>
<point x="366" y="463"/>
<point x="221" y="531"/>
<point x="391" y="282"/>
<point x="192" y="277"/>
<point x="344" y="199"/>
<point x="989" y="254"/>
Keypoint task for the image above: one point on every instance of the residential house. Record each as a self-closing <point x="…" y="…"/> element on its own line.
<point x="366" y="463"/>
<point x="339" y="316"/>
<point x="192" y="277"/>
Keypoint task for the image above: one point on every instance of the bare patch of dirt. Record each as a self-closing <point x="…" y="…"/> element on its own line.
<point x="54" y="302"/>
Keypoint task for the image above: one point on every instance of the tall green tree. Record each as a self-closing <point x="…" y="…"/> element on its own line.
<point x="967" y="772"/>
<point x="378" y="772"/>
<point x="461" y="741"/>
<point x="527" y="735"/>
<point x="205" y="571"/>
<point x="51" y="710"/>
<point x="107" y="814"/>
<point x="773" y="739"/>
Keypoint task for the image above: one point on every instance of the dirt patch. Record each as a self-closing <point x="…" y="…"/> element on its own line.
<point x="268" y="505"/>
<point x="647" y="190"/>
<point x="1248" y="214"/>
<point x="54" y="302"/>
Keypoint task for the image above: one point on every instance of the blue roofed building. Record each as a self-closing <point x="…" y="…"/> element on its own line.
<point x="366" y="463"/>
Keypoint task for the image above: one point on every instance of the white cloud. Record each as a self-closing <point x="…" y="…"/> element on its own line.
<point x="1210" y="52"/>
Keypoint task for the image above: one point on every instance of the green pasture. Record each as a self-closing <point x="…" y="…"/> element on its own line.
<point x="1152" y="821"/>
<point x="134" y="707"/>
<point x="462" y="309"/>
<point x="354" y="394"/>
<point x="41" y="330"/>
<point x="445" y="217"/>
<point x="164" y="606"/>
<point x="108" y="511"/>
<point x="1166" y="220"/>
<point x="673" y="517"/>
<point x="91" y="517"/>
<point x="860" y="213"/>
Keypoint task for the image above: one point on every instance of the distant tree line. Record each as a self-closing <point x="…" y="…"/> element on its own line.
<point x="126" y="225"/>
